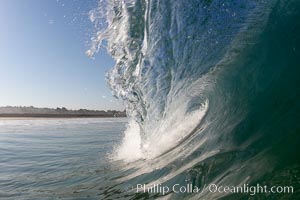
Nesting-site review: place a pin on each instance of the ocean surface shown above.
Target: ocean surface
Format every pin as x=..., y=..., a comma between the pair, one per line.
x=56, y=158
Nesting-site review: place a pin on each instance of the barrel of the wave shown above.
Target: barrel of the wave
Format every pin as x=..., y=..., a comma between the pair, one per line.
x=211, y=88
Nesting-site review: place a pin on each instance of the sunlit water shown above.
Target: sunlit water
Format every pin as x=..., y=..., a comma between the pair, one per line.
x=56, y=158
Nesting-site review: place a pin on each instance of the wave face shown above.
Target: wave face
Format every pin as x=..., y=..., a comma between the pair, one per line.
x=211, y=87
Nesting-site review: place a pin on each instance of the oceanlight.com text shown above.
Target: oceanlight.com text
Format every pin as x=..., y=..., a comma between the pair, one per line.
x=213, y=188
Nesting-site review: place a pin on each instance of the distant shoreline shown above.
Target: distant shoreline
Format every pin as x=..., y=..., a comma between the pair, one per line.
x=58, y=116
x=33, y=112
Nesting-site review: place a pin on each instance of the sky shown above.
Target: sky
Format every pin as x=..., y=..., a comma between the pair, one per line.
x=42, y=56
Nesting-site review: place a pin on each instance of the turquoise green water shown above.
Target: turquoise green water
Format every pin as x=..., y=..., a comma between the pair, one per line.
x=212, y=87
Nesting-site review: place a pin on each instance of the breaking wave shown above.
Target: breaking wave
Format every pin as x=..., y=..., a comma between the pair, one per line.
x=211, y=88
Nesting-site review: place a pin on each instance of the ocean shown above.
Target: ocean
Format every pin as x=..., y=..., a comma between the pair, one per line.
x=211, y=89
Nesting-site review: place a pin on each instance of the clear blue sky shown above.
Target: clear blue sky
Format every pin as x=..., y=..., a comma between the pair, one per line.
x=42, y=56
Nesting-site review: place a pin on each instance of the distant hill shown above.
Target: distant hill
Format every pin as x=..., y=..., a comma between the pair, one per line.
x=19, y=111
